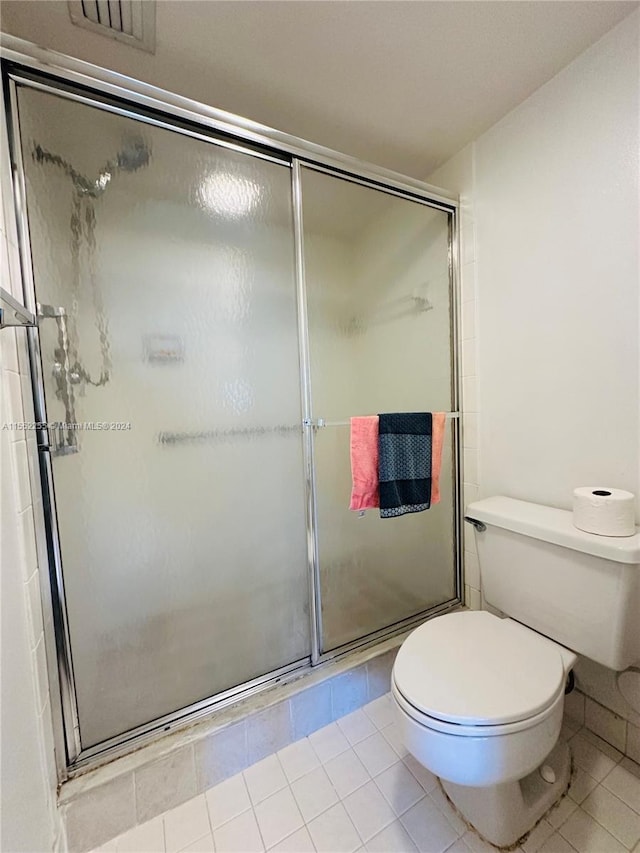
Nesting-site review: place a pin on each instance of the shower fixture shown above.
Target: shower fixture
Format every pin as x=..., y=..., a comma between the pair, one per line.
x=68, y=369
x=133, y=156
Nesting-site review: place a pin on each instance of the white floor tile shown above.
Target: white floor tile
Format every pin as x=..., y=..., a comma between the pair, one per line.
x=474, y=843
x=185, y=824
x=240, y=835
x=394, y=738
x=624, y=785
x=556, y=844
x=587, y=836
x=616, y=817
x=328, y=742
x=632, y=766
x=537, y=837
x=297, y=759
x=393, y=839
x=227, y=800
x=278, y=816
x=356, y=726
x=399, y=787
x=368, y=810
x=429, y=829
x=264, y=778
x=590, y=758
x=146, y=838
x=314, y=793
x=581, y=785
x=375, y=753
x=299, y=842
x=333, y=831
x=424, y=776
x=202, y=845
x=381, y=711
x=561, y=812
x=609, y=750
x=108, y=847
x=346, y=773
x=461, y=847
x=443, y=804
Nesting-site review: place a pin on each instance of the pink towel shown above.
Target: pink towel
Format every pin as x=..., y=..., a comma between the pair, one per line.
x=437, y=439
x=365, y=492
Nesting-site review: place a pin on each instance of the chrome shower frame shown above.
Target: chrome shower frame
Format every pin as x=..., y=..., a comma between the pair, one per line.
x=24, y=63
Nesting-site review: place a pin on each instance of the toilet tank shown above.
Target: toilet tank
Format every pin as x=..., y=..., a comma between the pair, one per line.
x=578, y=588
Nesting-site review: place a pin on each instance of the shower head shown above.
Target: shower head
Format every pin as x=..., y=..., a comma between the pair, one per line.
x=133, y=156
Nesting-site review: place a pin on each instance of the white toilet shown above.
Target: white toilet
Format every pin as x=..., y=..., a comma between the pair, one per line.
x=480, y=698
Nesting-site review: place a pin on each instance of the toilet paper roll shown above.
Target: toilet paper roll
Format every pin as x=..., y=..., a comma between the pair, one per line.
x=605, y=511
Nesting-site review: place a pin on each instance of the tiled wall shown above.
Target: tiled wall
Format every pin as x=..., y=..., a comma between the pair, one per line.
x=136, y=788
x=30, y=816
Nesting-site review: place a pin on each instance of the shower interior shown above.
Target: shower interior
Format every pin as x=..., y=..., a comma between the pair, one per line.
x=225, y=329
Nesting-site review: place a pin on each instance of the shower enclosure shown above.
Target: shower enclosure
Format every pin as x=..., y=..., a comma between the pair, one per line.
x=213, y=305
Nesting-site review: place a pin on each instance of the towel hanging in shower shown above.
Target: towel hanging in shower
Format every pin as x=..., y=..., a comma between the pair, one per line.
x=438, y=421
x=404, y=463
x=364, y=463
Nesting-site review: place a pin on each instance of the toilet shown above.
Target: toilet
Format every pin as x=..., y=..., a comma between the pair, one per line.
x=480, y=697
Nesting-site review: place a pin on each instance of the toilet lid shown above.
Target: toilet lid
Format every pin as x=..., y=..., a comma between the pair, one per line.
x=476, y=669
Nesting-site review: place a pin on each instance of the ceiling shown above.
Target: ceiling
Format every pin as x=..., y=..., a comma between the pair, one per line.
x=401, y=83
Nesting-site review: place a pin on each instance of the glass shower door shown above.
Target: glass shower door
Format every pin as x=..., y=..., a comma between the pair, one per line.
x=165, y=268
x=379, y=309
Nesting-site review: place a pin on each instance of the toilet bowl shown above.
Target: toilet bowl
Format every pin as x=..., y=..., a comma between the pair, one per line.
x=479, y=701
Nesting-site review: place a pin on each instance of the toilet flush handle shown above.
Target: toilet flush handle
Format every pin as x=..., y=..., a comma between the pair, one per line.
x=480, y=526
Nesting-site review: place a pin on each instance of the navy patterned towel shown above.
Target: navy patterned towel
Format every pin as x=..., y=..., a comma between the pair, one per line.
x=404, y=463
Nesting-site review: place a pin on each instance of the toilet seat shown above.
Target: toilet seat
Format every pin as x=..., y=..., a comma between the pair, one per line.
x=472, y=673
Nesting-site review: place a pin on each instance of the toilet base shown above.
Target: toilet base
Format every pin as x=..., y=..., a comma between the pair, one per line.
x=502, y=814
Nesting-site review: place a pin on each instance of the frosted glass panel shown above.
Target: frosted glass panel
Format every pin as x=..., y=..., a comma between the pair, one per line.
x=182, y=532
x=379, y=326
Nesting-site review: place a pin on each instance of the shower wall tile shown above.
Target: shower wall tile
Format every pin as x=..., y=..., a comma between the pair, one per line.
x=470, y=432
x=379, y=674
x=311, y=710
x=33, y=704
x=268, y=731
x=8, y=343
x=221, y=755
x=468, y=282
x=471, y=492
x=468, y=320
x=349, y=691
x=165, y=783
x=470, y=465
x=472, y=598
x=469, y=394
x=100, y=814
x=472, y=569
x=469, y=357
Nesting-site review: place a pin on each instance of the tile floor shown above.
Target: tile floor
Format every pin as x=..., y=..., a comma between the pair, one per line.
x=352, y=787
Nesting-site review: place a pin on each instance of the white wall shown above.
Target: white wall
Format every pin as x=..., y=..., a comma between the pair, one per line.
x=557, y=231
x=29, y=818
x=554, y=195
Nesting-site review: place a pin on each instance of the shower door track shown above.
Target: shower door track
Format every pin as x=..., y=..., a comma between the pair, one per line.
x=29, y=65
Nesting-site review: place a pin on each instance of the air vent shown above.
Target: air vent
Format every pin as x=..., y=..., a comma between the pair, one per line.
x=129, y=21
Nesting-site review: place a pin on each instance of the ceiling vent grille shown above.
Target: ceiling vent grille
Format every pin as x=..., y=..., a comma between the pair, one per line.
x=129, y=21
